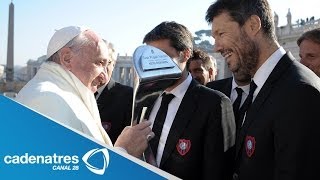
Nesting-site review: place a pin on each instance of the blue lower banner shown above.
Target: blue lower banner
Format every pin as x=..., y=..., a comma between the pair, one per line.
x=35, y=147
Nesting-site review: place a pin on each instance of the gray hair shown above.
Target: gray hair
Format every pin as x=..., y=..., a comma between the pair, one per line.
x=111, y=51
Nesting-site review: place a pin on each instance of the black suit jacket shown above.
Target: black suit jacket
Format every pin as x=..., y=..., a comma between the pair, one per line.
x=222, y=85
x=280, y=136
x=115, y=104
x=197, y=125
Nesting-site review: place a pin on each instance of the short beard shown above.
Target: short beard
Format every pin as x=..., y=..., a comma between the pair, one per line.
x=249, y=54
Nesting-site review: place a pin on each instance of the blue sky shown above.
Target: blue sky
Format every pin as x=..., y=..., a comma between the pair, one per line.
x=123, y=22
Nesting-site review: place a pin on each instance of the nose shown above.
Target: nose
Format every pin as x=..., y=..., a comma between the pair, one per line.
x=217, y=46
x=103, y=76
x=304, y=62
x=105, y=69
x=191, y=72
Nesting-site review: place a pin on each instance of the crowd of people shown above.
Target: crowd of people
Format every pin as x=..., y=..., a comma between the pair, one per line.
x=261, y=123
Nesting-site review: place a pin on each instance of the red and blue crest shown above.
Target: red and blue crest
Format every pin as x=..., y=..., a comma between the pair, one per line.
x=250, y=145
x=183, y=146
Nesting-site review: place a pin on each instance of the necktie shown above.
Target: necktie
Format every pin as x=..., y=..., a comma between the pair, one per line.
x=236, y=105
x=247, y=103
x=159, y=121
x=96, y=93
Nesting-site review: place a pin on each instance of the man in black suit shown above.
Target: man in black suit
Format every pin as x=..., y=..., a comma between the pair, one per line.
x=199, y=124
x=202, y=67
x=280, y=130
x=114, y=102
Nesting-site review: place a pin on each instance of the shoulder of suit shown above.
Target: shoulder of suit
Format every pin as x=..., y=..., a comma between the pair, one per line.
x=122, y=88
x=208, y=93
x=295, y=73
x=122, y=85
x=218, y=83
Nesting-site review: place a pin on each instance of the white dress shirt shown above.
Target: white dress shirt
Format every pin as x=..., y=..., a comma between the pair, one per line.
x=265, y=70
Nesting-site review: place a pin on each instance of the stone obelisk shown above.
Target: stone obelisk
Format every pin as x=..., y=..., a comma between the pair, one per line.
x=10, y=57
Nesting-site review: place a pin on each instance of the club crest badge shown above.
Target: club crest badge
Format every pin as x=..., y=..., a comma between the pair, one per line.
x=250, y=145
x=183, y=146
x=106, y=126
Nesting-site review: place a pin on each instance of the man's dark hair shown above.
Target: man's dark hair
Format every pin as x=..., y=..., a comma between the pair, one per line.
x=204, y=57
x=179, y=36
x=241, y=10
x=313, y=35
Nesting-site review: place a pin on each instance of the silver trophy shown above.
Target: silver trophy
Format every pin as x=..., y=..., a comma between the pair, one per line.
x=154, y=72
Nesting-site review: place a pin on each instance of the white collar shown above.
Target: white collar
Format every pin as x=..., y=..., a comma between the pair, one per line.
x=265, y=70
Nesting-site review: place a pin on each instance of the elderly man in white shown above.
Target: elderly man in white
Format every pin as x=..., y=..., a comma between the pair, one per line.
x=64, y=85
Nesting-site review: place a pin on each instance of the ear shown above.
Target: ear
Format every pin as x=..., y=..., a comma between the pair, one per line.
x=211, y=74
x=186, y=54
x=65, y=57
x=253, y=25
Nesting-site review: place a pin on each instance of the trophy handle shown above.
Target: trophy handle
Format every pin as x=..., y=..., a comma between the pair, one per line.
x=147, y=155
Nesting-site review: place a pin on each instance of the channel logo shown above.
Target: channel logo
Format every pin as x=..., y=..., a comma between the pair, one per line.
x=105, y=156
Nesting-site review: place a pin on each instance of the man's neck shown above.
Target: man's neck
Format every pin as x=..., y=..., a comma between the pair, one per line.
x=266, y=50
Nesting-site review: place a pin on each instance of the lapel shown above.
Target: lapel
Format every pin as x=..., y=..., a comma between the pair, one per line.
x=265, y=91
x=183, y=116
x=227, y=87
x=223, y=85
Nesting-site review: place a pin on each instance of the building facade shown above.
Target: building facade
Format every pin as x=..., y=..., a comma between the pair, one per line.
x=288, y=34
x=123, y=71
